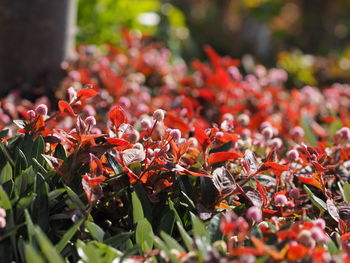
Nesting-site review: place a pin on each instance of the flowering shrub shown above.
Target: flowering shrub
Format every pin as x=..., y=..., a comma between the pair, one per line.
x=146, y=160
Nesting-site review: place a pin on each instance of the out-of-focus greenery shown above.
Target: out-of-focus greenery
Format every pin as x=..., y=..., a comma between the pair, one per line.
x=100, y=21
x=308, y=38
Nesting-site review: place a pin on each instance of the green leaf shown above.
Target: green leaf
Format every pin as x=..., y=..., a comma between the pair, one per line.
x=162, y=246
x=4, y=133
x=137, y=211
x=30, y=226
x=40, y=210
x=46, y=247
x=144, y=235
x=214, y=228
x=68, y=235
x=21, y=163
x=332, y=248
x=75, y=198
x=119, y=239
x=185, y=237
x=199, y=229
x=146, y=206
x=4, y=200
x=310, y=136
x=95, y=231
x=117, y=168
x=6, y=153
x=60, y=152
x=167, y=222
x=346, y=189
x=6, y=173
x=38, y=149
x=318, y=202
x=172, y=207
x=32, y=255
x=171, y=242
x=334, y=127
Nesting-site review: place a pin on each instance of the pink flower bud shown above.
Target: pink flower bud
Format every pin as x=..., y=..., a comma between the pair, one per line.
x=89, y=110
x=159, y=115
x=91, y=121
x=298, y=132
x=267, y=132
x=228, y=117
x=134, y=136
x=243, y=119
x=254, y=213
x=31, y=114
x=124, y=102
x=318, y=234
x=245, y=133
x=281, y=200
x=175, y=134
x=146, y=124
x=293, y=155
x=290, y=204
x=265, y=124
x=150, y=153
x=344, y=133
x=305, y=238
x=2, y=212
x=320, y=223
x=41, y=109
x=219, y=135
x=2, y=222
x=276, y=143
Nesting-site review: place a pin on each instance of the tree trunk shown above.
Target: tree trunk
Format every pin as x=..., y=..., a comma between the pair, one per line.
x=36, y=36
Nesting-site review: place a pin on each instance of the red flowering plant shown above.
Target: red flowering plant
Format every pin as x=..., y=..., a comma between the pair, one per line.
x=217, y=163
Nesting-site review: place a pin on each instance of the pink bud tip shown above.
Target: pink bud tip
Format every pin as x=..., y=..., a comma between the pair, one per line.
x=175, y=134
x=281, y=200
x=91, y=121
x=254, y=213
x=2, y=222
x=2, y=212
x=31, y=114
x=293, y=155
x=267, y=132
x=41, y=109
x=159, y=115
x=146, y=123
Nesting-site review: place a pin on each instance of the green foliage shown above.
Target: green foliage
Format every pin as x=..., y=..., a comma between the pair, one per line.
x=100, y=21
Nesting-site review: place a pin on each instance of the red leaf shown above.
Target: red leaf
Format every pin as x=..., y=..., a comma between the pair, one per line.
x=117, y=142
x=296, y=252
x=318, y=167
x=96, y=167
x=63, y=106
x=193, y=173
x=86, y=93
x=173, y=121
x=261, y=191
x=269, y=211
x=270, y=166
x=310, y=180
x=345, y=236
x=222, y=156
x=94, y=181
x=200, y=135
x=117, y=116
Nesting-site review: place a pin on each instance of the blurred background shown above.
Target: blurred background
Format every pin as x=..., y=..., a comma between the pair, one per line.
x=307, y=38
